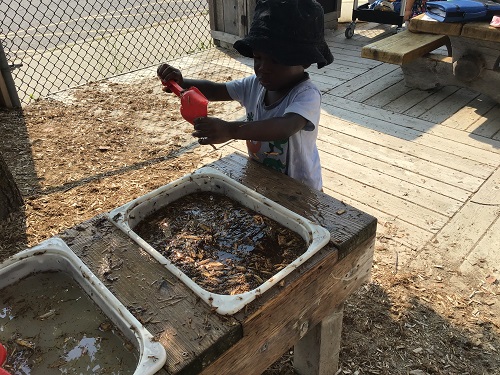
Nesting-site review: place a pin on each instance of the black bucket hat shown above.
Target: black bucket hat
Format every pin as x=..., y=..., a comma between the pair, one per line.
x=292, y=31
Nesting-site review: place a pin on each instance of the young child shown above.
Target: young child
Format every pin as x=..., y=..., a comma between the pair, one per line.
x=281, y=102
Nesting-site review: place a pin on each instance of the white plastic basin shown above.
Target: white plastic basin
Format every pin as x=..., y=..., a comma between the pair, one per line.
x=209, y=179
x=54, y=255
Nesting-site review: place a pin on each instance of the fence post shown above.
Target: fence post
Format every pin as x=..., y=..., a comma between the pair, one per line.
x=8, y=92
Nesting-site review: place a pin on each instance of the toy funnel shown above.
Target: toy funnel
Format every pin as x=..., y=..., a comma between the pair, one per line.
x=193, y=102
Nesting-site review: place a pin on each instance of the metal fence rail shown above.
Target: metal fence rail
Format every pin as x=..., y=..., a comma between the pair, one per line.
x=52, y=45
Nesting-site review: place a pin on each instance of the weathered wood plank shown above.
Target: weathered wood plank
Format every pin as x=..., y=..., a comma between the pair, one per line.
x=454, y=242
x=347, y=45
x=489, y=193
x=430, y=101
x=348, y=59
x=488, y=125
x=415, y=214
x=459, y=237
x=382, y=181
x=426, y=126
x=403, y=47
x=212, y=15
x=218, y=16
x=470, y=113
x=398, y=165
x=348, y=49
x=388, y=95
x=335, y=71
x=359, y=82
x=422, y=24
x=481, y=31
x=375, y=86
x=242, y=23
x=391, y=228
x=486, y=248
x=325, y=82
x=230, y=14
x=348, y=71
x=449, y=106
x=4, y=93
x=407, y=101
x=445, y=180
x=224, y=36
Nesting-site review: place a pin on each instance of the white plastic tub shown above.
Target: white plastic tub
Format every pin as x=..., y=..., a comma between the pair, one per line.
x=208, y=179
x=54, y=255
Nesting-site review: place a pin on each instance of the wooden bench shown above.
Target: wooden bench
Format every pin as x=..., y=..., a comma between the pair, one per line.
x=404, y=49
x=472, y=60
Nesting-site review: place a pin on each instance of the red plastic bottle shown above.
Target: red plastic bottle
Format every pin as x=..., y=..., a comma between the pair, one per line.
x=3, y=358
x=193, y=102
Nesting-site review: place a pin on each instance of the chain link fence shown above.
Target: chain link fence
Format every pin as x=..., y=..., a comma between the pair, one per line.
x=52, y=45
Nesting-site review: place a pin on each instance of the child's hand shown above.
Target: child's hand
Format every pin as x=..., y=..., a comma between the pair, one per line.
x=211, y=130
x=167, y=72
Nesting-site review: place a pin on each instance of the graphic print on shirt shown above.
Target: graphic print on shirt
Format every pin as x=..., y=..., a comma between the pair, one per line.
x=272, y=154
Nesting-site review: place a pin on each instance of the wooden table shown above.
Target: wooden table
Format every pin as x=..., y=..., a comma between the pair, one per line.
x=305, y=311
x=475, y=55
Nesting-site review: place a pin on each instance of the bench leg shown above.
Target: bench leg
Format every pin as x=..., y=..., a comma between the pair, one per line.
x=431, y=72
x=317, y=353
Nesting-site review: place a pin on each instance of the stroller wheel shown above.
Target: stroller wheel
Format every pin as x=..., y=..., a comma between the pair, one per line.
x=349, y=31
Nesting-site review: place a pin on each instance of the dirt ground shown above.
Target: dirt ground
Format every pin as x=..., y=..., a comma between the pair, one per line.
x=110, y=142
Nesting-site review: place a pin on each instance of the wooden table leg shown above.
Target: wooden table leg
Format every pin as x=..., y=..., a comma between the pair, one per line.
x=317, y=353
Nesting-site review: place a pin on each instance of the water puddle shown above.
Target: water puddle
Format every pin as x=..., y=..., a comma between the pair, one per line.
x=49, y=325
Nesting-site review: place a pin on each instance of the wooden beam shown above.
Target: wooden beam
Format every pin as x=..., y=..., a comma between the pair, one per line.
x=317, y=353
x=433, y=71
x=482, y=31
x=224, y=37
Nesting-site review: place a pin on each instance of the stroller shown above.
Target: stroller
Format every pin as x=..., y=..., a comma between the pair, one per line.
x=380, y=14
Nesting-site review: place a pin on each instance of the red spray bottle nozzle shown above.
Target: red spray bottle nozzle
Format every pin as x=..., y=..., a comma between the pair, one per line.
x=193, y=103
x=174, y=87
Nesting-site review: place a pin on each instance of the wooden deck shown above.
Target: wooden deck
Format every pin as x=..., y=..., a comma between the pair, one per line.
x=426, y=164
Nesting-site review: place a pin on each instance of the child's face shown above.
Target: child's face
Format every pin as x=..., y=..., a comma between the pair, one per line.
x=273, y=75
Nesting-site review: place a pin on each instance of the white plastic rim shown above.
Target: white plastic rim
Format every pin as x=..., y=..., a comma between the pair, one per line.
x=130, y=214
x=54, y=255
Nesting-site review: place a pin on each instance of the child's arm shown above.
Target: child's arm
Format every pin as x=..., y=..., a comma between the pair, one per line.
x=212, y=90
x=211, y=130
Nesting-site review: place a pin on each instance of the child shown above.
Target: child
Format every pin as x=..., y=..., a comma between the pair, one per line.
x=281, y=102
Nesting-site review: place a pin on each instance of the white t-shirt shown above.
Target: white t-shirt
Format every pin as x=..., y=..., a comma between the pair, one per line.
x=298, y=155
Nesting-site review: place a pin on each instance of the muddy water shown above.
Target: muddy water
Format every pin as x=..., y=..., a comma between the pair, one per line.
x=50, y=326
x=222, y=245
